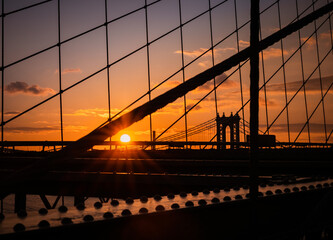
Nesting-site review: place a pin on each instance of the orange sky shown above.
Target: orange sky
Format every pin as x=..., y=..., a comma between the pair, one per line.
x=86, y=105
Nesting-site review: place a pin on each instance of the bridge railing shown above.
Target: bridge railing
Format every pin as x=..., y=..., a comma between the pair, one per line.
x=51, y=146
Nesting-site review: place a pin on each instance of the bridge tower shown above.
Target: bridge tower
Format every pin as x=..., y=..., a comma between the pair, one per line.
x=221, y=124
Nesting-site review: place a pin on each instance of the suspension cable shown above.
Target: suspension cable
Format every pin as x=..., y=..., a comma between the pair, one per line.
x=148, y=70
x=319, y=71
x=281, y=68
x=240, y=71
x=2, y=69
x=303, y=76
x=284, y=73
x=60, y=75
x=182, y=57
x=212, y=47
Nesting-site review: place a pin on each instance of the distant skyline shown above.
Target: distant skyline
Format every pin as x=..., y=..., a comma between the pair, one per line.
x=85, y=106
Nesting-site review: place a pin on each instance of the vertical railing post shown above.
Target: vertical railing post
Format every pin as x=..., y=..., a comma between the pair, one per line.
x=254, y=111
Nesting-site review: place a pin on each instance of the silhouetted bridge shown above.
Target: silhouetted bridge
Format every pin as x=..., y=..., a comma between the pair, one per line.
x=173, y=186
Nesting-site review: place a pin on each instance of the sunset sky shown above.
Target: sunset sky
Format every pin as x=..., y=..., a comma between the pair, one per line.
x=85, y=106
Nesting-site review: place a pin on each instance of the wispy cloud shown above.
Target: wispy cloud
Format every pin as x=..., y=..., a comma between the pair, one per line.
x=170, y=84
x=296, y=127
x=227, y=84
x=243, y=43
x=274, y=52
x=270, y=102
x=146, y=132
x=11, y=113
x=24, y=88
x=326, y=35
x=310, y=42
x=69, y=70
x=311, y=86
x=194, y=53
x=198, y=52
x=178, y=107
x=94, y=112
x=21, y=129
x=44, y=127
x=75, y=128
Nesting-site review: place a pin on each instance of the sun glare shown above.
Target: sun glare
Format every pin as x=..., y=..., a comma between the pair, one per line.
x=125, y=138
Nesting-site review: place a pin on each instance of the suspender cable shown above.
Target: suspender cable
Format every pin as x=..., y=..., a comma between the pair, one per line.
x=183, y=63
x=284, y=74
x=322, y=98
x=98, y=135
x=60, y=73
x=320, y=79
x=148, y=70
x=101, y=133
x=212, y=47
x=107, y=61
x=330, y=22
x=240, y=71
x=264, y=80
x=2, y=70
x=303, y=77
x=107, y=56
x=331, y=34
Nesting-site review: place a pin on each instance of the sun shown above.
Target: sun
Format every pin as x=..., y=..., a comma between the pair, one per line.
x=125, y=138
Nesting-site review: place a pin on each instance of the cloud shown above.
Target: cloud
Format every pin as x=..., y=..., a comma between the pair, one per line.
x=311, y=86
x=69, y=70
x=270, y=102
x=178, y=107
x=228, y=83
x=310, y=43
x=198, y=52
x=243, y=43
x=196, y=108
x=146, y=132
x=326, y=35
x=20, y=129
x=12, y=113
x=94, y=112
x=326, y=38
x=274, y=52
x=24, y=88
x=171, y=84
x=75, y=128
x=45, y=128
x=296, y=127
x=205, y=64
x=194, y=53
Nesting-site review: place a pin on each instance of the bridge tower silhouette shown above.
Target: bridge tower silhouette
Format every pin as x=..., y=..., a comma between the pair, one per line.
x=222, y=123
